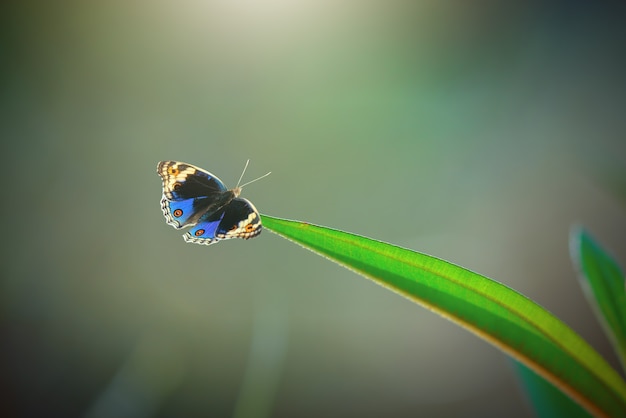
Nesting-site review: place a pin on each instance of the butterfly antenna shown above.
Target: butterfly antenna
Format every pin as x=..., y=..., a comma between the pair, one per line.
x=243, y=172
x=258, y=178
x=251, y=181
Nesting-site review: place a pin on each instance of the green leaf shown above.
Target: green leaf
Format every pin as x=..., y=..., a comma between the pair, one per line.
x=491, y=310
x=547, y=400
x=603, y=282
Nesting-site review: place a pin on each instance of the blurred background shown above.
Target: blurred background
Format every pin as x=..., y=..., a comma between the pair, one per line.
x=478, y=132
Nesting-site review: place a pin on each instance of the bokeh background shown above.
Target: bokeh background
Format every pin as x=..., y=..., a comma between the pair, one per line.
x=477, y=131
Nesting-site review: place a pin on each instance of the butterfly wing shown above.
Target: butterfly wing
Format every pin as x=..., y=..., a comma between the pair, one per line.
x=184, y=181
x=189, y=192
x=239, y=219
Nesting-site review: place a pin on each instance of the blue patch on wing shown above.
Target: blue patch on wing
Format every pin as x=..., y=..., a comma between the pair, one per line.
x=204, y=231
x=179, y=213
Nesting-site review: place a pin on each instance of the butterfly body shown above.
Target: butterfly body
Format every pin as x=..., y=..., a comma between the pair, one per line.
x=196, y=198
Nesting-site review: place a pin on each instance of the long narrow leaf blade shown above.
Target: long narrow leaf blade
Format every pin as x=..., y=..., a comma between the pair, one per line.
x=491, y=310
x=603, y=282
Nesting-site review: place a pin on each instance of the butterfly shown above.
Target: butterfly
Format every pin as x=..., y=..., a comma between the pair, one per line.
x=194, y=197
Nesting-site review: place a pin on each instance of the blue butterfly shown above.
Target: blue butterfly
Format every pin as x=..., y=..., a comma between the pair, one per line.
x=194, y=197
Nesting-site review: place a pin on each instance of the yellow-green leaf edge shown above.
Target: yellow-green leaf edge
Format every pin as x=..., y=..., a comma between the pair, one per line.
x=494, y=312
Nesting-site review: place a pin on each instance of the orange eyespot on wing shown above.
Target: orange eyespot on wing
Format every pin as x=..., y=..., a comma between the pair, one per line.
x=178, y=213
x=199, y=232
